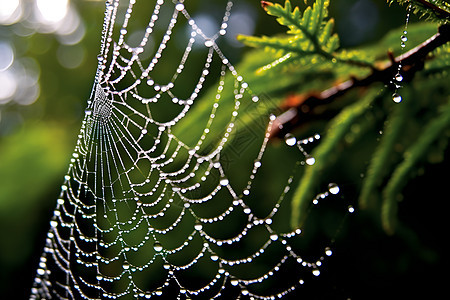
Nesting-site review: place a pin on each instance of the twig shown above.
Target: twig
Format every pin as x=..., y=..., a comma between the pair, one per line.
x=411, y=62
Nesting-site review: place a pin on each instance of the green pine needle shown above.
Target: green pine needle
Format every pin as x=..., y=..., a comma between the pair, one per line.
x=412, y=156
x=309, y=33
x=323, y=155
x=380, y=162
x=436, y=10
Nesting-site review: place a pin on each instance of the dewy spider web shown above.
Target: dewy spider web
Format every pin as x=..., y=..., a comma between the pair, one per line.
x=143, y=214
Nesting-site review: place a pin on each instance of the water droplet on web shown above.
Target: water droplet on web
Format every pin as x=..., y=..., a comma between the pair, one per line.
x=404, y=38
x=234, y=282
x=224, y=181
x=310, y=161
x=397, y=98
x=158, y=247
x=214, y=257
x=398, y=77
x=198, y=226
x=328, y=251
x=316, y=272
x=290, y=139
x=179, y=6
x=274, y=237
x=209, y=43
x=333, y=188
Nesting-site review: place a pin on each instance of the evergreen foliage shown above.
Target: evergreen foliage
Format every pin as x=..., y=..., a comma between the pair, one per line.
x=437, y=10
x=309, y=52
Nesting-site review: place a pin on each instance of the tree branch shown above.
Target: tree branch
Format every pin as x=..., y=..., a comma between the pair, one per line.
x=411, y=62
x=437, y=10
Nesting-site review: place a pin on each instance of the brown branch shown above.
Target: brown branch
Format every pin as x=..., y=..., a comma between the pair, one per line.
x=410, y=62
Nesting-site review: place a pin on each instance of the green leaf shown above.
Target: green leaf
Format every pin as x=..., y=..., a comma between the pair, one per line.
x=436, y=10
x=381, y=159
x=324, y=154
x=309, y=33
x=412, y=156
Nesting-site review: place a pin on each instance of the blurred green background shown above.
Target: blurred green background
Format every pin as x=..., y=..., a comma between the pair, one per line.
x=48, y=59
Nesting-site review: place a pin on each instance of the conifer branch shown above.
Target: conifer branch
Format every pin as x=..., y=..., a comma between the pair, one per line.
x=311, y=105
x=437, y=10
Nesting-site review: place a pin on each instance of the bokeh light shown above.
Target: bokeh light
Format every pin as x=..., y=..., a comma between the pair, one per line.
x=10, y=11
x=52, y=11
x=8, y=86
x=6, y=56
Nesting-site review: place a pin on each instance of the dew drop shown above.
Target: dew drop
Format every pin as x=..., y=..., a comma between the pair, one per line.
x=310, y=160
x=234, y=282
x=125, y=266
x=209, y=43
x=158, y=247
x=274, y=237
x=224, y=181
x=198, y=227
x=214, y=257
x=351, y=209
x=396, y=98
x=316, y=272
x=404, y=38
x=41, y=271
x=333, y=188
x=290, y=140
x=179, y=6
x=328, y=251
x=398, y=77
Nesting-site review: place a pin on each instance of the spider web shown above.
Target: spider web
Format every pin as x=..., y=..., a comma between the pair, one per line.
x=142, y=213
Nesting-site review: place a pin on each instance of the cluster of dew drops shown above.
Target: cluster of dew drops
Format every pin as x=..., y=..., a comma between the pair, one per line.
x=398, y=77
